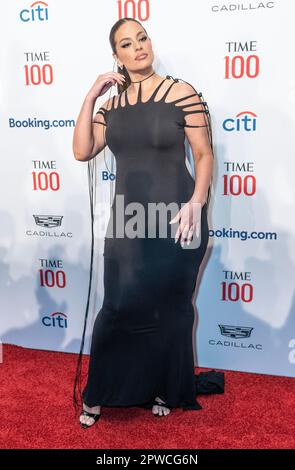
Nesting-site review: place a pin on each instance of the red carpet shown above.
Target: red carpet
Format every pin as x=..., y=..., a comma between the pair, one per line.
x=256, y=411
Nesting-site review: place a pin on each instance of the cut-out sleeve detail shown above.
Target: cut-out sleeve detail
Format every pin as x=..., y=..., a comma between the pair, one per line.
x=196, y=114
x=99, y=117
x=195, y=110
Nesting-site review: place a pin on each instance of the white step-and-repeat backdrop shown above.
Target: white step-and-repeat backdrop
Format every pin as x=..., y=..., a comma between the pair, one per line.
x=240, y=55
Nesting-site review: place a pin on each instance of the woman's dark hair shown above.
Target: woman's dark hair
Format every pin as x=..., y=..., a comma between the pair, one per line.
x=123, y=69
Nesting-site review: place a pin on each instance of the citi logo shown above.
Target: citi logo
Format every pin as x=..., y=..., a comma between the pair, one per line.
x=38, y=11
x=244, y=121
x=55, y=320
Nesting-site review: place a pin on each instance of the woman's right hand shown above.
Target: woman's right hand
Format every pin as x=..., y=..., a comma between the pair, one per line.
x=104, y=82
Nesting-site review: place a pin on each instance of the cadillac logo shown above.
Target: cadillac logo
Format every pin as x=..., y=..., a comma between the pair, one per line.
x=48, y=220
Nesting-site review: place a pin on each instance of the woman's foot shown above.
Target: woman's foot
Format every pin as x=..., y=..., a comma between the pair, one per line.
x=86, y=420
x=161, y=409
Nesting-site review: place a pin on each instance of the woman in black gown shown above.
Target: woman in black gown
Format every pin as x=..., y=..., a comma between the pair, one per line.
x=141, y=348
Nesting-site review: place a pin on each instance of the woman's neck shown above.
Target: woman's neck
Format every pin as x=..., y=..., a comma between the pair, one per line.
x=145, y=80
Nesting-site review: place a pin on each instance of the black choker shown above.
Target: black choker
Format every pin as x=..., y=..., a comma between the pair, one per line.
x=144, y=78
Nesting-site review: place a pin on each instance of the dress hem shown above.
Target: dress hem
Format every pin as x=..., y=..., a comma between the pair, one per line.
x=206, y=383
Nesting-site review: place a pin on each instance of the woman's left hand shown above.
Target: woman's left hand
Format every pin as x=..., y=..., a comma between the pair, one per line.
x=189, y=217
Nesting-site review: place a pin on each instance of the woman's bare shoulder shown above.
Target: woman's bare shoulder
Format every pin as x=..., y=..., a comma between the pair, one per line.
x=183, y=89
x=107, y=104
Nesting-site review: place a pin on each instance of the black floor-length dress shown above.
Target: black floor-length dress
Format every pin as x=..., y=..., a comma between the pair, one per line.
x=141, y=345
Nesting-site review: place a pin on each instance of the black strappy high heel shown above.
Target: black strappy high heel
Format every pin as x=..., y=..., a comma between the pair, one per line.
x=157, y=415
x=90, y=415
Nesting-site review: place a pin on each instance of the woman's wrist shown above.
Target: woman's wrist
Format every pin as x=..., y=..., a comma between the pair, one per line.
x=90, y=98
x=197, y=198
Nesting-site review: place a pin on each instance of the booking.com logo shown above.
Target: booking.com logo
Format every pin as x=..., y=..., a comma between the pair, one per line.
x=38, y=11
x=40, y=123
x=242, y=234
x=244, y=121
x=55, y=320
